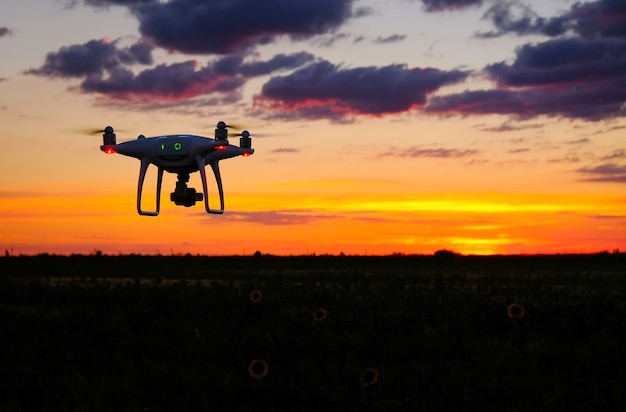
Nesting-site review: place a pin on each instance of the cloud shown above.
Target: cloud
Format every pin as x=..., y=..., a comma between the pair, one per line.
x=568, y=61
x=107, y=3
x=608, y=172
x=394, y=38
x=277, y=217
x=92, y=58
x=596, y=19
x=286, y=150
x=441, y=5
x=225, y=27
x=329, y=40
x=617, y=154
x=508, y=126
x=566, y=159
x=578, y=141
x=510, y=17
x=178, y=80
x=325, y=90
x=437, y=153
x=236, y=65
x=5, y=31
x=569, y=77
x=105, y=69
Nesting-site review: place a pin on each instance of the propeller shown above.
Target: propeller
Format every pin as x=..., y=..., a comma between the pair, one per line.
x=94, y=131
x=246, y=133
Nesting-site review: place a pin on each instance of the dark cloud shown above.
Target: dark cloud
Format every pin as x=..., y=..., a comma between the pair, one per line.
x=603, y=18
x=608, y=172
x=441, y=5
x=390, y=39
x=562, y=61
x=509, y=17
x=570, y=77
x=185, y=80
x=225, y=26
x=596, y=19
x=437, y=153
x=92, y=58
x=105, y=69
x=5, y=31
x=106, y=3
x=325, y=90
x=179, y=80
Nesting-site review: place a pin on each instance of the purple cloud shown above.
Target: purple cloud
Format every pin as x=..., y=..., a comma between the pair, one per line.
x=223, y=27
x=5, y=31
x=504, y=18
x=596, y=19
x=323, y=89
x=105, y=70
x=570, y=77
x=92, y=58
x=607, y=172
x=184, y=80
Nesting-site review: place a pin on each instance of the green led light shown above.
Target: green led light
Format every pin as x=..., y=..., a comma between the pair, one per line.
x=162, y=147
x=178, y=146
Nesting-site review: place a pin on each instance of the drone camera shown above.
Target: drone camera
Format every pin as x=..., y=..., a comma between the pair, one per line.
x=183, y=195
x=186, y=196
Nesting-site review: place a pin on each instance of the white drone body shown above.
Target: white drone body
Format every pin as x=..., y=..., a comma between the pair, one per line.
x=181, y=154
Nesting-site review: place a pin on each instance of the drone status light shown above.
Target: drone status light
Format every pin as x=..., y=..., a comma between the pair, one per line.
x=109, y=150
x=221, y=147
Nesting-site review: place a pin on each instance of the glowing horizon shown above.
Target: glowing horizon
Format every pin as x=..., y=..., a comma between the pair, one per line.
x=466, y=223
x=405, y=128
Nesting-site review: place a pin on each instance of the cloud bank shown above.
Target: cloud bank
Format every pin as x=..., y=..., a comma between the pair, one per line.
x=577, y=72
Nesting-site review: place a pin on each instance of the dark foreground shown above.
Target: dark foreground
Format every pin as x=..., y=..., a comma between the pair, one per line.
x=133, y=333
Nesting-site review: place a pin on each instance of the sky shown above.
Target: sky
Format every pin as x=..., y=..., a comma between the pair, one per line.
x=379, y=126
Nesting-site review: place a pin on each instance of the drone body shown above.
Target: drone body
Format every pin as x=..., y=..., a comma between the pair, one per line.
x=181, y=154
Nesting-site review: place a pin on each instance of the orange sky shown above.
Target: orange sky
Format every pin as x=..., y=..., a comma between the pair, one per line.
x=389, y=181
x=66, y=220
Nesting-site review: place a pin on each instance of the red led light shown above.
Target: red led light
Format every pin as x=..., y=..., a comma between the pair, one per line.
x=246, y=154
x=109, y=150
x=221, y=147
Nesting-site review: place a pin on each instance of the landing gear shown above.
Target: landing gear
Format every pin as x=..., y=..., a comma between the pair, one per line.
x=183, y=195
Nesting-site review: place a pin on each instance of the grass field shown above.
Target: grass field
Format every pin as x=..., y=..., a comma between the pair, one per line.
x=323, y=333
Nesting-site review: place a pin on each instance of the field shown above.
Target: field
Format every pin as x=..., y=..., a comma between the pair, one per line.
x=313, y=333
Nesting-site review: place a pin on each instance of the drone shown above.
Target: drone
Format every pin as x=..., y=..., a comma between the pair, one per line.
x=181, y=154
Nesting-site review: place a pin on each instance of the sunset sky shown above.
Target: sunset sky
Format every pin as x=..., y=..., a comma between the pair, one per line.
x=384, y=126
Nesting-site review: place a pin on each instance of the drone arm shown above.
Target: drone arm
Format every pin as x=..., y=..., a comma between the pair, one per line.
x=216, y=171
x=142, y=175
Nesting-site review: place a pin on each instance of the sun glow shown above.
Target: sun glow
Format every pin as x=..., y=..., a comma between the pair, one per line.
x=308, y=220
